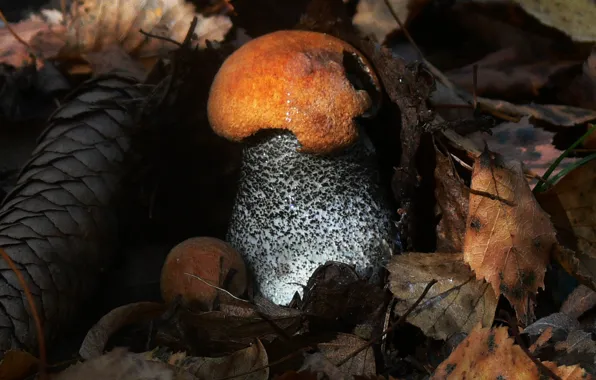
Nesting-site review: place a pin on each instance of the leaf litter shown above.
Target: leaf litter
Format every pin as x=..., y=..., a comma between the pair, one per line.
x=489, y=237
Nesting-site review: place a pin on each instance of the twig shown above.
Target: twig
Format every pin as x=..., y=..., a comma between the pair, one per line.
x=393, y=326
x=43, y=363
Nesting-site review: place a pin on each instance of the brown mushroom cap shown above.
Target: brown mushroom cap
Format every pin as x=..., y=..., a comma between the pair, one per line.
x=210, y=259
x=292, y=80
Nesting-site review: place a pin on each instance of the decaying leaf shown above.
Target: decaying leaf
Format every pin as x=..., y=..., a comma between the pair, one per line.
x=560, y=323
x=94, y=25
x=509, y=238
x=522, y=141
x=491, y=354
x=452, y=203
x=119, y=364
x=456, y=303
x=17, y=365
x=374, y=18
x=576, y=195
x=579, y=301
x=362, y=364
x=573, y=17
x=247, y=364
x=97, y=337
x=555, y=114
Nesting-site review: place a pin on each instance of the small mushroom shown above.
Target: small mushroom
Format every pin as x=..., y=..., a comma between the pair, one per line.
x=195, y=267
x=309, y=190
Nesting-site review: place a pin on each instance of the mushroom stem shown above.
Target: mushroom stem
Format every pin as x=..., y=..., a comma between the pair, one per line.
x=295, y=211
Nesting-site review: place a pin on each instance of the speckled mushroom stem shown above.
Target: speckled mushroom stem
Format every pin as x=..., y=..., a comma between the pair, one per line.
x=295, y=211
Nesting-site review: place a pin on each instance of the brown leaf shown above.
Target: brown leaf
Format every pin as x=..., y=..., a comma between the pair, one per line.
x=456, y=303
x=374, y=18
x=241, y=365
x=335, y=292
x=581, y=92
x=555, y=114
x=573, y=17
x=452, y=202
x=17, y=365
x=345, y=345
x=97, y=337
x=510, y=73
x=508, y=239
x=576, y=195
x=579, y=301
x=522, y=141
x=490, y=354
x=122, y=365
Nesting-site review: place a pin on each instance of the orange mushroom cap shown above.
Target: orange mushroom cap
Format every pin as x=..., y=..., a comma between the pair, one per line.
x=292, y=80
x=211, y=260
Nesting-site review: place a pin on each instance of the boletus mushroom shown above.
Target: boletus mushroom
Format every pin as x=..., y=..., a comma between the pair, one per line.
x=309, y=190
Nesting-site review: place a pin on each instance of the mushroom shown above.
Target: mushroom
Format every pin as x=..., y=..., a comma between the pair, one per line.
x=196, y=267
x=309, y=190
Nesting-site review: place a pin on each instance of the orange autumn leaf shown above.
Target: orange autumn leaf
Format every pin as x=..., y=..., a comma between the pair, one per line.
x=508, y=236
x=491, y=354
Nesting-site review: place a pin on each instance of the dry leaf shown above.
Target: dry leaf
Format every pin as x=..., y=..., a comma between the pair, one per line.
x=122, y=365
x=17, y=365
x=456, y=303
x=522, y=141
x=555, y=114
x=374, y=18
x=452, y=202
x=560, y=323
x=97, y=337
x=508, y=240
x=579, y=301
x=241, y=365
x=573, y=17
x=321, y=365
x=345, y=345
x=576, y=195
x=490, y=354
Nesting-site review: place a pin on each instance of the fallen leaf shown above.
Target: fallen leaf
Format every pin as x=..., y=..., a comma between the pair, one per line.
x=581, y=91
x=235, y=327
x=555, y=114
x=491, y=354
x=97, y=337
x=579, y=301
x=560, y=323
x=119, y=364
x=522, y=141
x=452, y=203
x=248, y=364
x=345, y=345
x=572, y=17
x=575, y=192
x=320, y=364
x=579, y=341
x=374, y=18
x=17, y=365
x=510, y=73
x=456, y=303
x=508, y=239
x=336, y=293
x=542, y=340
